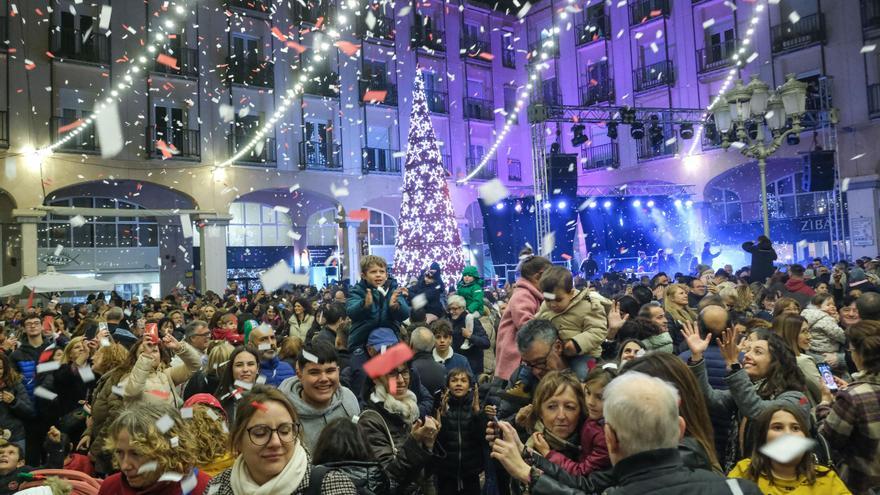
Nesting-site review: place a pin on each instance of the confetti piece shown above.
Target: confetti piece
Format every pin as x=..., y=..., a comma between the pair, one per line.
x=294, y=235
x=375, y=96
x=348, y=47
x=549, y=296
x=299, y=49
x=77, y=221
x=227, y=113
x=148, y=467
x=186, y=226
x=167, y=61
x=844, y=184
x=243, y=385
x=260, y=406
x=278, y=34
x=857, y=156
x=708, y=23
x=275, y=277
x=524, y=10
x=787, y=448
x=308, y=356
x=547, y=244
x=45, y=393
x=794, y=17
x=160, y=394
x=337, y=191
x=493, y=191
x=261, y=380
x=48, y=366
x=383, y=363
x=171, y=476
x=868, y=48
x=58, y=249
x=109, y=130
x=186, y=413
x=174, y=441
x=117, y=390
x=86, y=374
x=392, y=387
x=188, y=484
x=104, y=17
x=419, y=301
x=361, y=215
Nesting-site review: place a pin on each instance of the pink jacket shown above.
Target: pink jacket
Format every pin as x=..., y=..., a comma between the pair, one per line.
x=594, y=451
x=524, y=303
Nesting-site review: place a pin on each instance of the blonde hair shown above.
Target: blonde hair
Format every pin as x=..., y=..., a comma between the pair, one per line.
x=218, y=356
x=290, y=347
x=367, y=261
x=139, y=421
x=677, y=311
x=113, y=355
x=554, y=383
x=211, y=434
x=66, y=357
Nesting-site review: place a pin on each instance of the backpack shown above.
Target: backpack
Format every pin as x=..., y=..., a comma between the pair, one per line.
x=364, y=485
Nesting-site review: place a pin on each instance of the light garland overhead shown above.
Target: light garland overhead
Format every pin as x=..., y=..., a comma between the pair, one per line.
x=739, y=60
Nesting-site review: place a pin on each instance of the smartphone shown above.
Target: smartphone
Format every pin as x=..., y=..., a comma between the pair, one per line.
x=495, y=426
x=827, y=376
x=92, y=331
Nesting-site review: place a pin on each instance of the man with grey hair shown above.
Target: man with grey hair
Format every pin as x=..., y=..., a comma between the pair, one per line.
x=198, y=335
x=432, y=373
x=642, y=431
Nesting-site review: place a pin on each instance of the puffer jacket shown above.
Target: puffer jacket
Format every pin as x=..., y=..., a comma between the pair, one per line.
x=343, y=404
x=462, y=437
x=368, y=477
x=26, y=358
x=472, y=292
x=14, y=414
x=585, y=321
x=106, y=405
x=524, y=303
x=300, y=328
x=365, y=320
x=490, y=325
x=146, y=383
x=479, y=342
x=404, y=458
x=827, y=335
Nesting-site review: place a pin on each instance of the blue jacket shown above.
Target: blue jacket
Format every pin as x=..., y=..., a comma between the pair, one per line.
x=365, y=320
x=26, y=358
x=722, y=420
x=276, y=371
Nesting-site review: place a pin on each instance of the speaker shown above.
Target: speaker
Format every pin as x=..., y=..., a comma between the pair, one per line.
x=562, y=175
x=818, y=171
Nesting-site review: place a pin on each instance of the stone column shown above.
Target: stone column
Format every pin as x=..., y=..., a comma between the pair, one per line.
x=350, y=250
x=212, y=252
x=29, y=220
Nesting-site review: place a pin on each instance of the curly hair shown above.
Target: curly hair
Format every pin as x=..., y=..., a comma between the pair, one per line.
x=210, y=432
x=784, y=374
x=111, y=356
x=145, y=438
x=10, y=375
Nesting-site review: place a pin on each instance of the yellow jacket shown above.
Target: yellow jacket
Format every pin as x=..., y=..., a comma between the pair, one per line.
x=827, y=482
x=585, y=320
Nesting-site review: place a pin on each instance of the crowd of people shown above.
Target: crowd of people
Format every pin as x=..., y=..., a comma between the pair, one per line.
x=704, y=381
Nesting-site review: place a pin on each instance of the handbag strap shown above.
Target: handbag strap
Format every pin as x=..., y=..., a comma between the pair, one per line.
x=387, y=430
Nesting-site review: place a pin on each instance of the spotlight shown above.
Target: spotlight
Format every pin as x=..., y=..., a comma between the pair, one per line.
x=612, y=130
x=606, y=204
x=651, y=203
x=592, y=204
x=628, y=115
x=637, y=203
x=687, y=131
x=579, y=138
x=689, y=203
x=554, y=148
x=637, y=130
x=678, y=203
x=518, y=207
x=655, y=132
x=793, y=139
x=562, y=205
x=499, y=206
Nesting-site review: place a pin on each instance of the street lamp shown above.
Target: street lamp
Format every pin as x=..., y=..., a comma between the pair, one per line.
x=756, y=105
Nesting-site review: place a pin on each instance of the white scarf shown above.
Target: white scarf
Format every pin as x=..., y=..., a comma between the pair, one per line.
x=284, y=482
x=407, y=408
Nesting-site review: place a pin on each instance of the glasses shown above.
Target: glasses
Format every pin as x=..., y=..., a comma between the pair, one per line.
x=455, y=308
x=540, y=364
x=261, y=435
x=206, y=334
x=395, y=373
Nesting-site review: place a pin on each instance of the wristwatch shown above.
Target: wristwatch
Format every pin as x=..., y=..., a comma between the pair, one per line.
x=734, y=368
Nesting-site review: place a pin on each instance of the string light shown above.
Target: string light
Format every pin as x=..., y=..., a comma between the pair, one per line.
x=731, y=74
x=177, y=13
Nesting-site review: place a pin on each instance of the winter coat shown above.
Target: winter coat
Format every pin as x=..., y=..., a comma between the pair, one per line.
x=201, y=383
x=479, y=342
x=343, y=404
x=524, y=303
x=798, y=290
x=453, y=361
x=434, y=293
x=26, y=358
x=722, y=419
x=490, y=325
x=115, y=484
x=275, y=371
x=593, y=453
x=432, y=373
x=763, y=256
x=300, y=328
x=146, y=383
x=472, y=292
x=231, y=336
x=403, y=457
x=827, y=335
x=70, y=387
x=365, y=320
x=15, y=414
x=584, y=320
x=807, y=365
x=662, y=342
x=334, y=483
x=462, y=437
x=106, y=405
x=369, y=478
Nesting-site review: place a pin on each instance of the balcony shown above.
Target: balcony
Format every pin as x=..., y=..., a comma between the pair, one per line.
x=438, y=101
x=870, y=18
x=514, y=170
x=250, y=72
x=488, y=172
x=669, y=147
x=314, y=11
x=537, y=46
x=641, y=11
x=874, y=100
x=595, y=29
x=593, y=92
x=254, y=5
x=187, y=64
x=68, y=44
x=601, y=157
x=548, y=93
x=477, y=108
x=4, y=129
x=380, y=161
x=383, y=28
x=263, y=156
x=317, y=155
x=714, y=57
x=84, y=142
x=371, y=92
x=654, y=76
x=324, y=83
x=807, y=31
x=475, y=47
x=183, y=144
x=424, y=34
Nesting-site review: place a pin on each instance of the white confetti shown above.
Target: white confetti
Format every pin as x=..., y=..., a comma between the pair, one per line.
x=794, y=17
x=275, y=277
x=48, y=366
x=77, y=221
x=86, y=374
x=524, y=10
x=58, y=249
x=294, y=235
x=186, y=413
x=547, y=244
x=338, y=191
x=708, y=23
x=109, y=129
x=188, y=484
x=308, y=356
x=243, y=385
x=419, y=301
x=170, y=475
x=857, y=156
x=844, y=184
x=104, y=21
x=164, y=423
x=227, y=114
x=493, y=191
x=264, y=347
x=868, y=48
x=787, y=448
x=45, y=393
x=148, y=467
x=549, y=296
x=186, y=226
x=174, y=442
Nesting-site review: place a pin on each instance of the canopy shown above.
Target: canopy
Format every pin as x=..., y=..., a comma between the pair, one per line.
x=52, y=281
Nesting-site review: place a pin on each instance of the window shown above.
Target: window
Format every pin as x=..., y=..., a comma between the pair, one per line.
x=99, y=231
x=725, y=206
x=786, y=198
x=383, y=229
x=170, y=125
x=510, y=100
x=508, y=51
x=255, y=224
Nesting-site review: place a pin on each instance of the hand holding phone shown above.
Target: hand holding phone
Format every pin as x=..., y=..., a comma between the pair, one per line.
x=827, y=376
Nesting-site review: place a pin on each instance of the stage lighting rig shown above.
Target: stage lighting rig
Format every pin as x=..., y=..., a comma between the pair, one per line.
x=579, y=137
x=687, y=131
x=612, y=130
x=637, y=130
x=655, y=132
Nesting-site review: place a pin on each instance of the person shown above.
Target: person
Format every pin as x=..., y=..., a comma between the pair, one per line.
x=828, y=339
x=302, y=319
x=236, y=377
x=334, y=319
x=315, y=391
x=629, y=350
x=849, y=419
x=343, y=446
x=707, y=256
x=12, y=466
x=525, y=300
x=210, y=432
x=15, y=404
x=433, y=289
x=270, y=457
x=461, y=436
x=136, y=438
x=26, y=358
x=443, y=352
x=767, y=376
x=799, y=475
x=786, y=305
x=796, y=287
x=206, y=379
x=796, y=333
x=589, y=267
x=676, y=305
x=470, y=287
x=868, y=305
x=403, y=443
x=150, y=378
x=432, y=373
x=580, y=316
x=697, y=289
x=849, y=312
x=227, y=329
x=650, y=336
x=468, y=336
x=272, y=368
x=198, y=335
x=763, y=256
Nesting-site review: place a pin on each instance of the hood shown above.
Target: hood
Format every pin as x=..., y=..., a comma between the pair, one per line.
x=765, y=244
x=292, y=388
x=795, y=285
x=471, y=271
x=813, y=314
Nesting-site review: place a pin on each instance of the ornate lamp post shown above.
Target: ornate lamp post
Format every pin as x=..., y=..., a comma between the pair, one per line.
x=755, y=105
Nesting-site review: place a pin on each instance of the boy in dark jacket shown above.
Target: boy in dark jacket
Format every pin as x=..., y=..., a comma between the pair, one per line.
x=461, y=437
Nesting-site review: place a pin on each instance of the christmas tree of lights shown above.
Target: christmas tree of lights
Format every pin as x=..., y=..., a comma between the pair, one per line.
x=427, y=230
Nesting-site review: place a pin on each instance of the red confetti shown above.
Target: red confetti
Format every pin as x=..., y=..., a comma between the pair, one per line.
x=392, y=386
x=361, y=215
x=656, y=12
x=70, y=126
x=163, y=147
x=260, y=406
x=168, y=61
x=296, y=46
x=566, y=256
x=160, y=394
x=487, y=56
x=375, y=96
x=50, y=54
x=348, y=47
x=278, y=34
x=393, y=357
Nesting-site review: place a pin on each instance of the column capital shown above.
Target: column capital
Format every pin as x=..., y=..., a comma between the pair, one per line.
x=220, y=220
x=28, y=216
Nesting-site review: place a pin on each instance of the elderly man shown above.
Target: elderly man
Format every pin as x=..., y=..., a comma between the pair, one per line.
x=272, y=369
x=432, y=373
